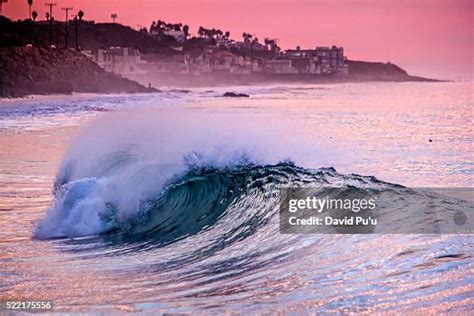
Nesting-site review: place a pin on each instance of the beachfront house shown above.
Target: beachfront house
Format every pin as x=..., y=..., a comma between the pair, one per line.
x=179, y=36
x=121, y=60
x=321, y=60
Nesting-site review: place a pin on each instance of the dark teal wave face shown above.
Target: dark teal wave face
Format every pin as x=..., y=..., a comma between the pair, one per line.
x=234, y=203
x=186, y=207
x=238, y=201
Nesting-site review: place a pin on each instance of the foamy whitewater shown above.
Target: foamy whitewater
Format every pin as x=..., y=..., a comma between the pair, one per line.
x=169, y=202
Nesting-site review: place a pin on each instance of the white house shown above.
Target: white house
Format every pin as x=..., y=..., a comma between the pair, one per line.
x=121, y=60
x=179, y=36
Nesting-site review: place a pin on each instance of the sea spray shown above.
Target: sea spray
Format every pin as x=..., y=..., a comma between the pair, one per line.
x=124, y=158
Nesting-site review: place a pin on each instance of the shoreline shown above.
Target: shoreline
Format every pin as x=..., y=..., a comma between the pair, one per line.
x=187, y=89
x=28, y=71
x=232, y=82
x=359, y=71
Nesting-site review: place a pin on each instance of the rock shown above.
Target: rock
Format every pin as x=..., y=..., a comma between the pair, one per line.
x=54, y=87
x=55, y=71
x=376, y=71
x=235, y=95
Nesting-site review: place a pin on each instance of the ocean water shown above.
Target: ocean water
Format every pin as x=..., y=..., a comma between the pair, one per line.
x=168, y=202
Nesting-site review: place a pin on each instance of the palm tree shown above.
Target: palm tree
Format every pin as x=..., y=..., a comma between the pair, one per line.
x=186, y=31
x=201, y=31
x=34, y=15
x=30, y=3
x=78, y=18
x=76, y=28
x=247, y=37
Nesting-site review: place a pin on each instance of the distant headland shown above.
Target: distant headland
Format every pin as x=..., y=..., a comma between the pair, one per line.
x=49, y=56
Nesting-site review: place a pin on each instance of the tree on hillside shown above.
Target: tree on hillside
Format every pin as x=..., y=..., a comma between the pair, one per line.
x=247, y=37
x=186, y=31
x=201, y=31
x=47, y=16
x=77, y=19
x=177, y=27
x=210, y=34
x=271, y=44
x=34, y=15
x=30, y=3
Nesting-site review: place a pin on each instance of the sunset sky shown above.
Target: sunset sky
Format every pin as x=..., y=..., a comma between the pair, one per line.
x=427, y=37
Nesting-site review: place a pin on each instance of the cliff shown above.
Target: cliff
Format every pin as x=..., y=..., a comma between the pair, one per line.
x=25, y=71
x=376, y=71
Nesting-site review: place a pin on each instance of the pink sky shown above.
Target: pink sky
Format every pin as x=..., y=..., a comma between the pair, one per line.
x=426, y=37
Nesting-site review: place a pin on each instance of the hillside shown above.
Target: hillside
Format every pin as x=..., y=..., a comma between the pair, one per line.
x=25, y=71
x=376, y=71
x=91, y=36
x=45, y=71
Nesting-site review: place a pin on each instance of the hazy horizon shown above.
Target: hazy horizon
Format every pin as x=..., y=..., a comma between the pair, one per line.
x=431, y=38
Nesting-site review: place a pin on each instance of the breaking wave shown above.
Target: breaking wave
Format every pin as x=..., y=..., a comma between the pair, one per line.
x=181, y=205
x=165, y=182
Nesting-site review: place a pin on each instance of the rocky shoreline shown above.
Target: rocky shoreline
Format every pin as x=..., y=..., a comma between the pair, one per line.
x=35, y=70
x=31, y=70
x=377, y=71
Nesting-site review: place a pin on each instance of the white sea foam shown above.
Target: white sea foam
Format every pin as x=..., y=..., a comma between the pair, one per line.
x=127, y=157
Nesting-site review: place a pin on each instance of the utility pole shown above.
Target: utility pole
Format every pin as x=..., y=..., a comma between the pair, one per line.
x=67, y=24
x=75, y=26
x=50, y=5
